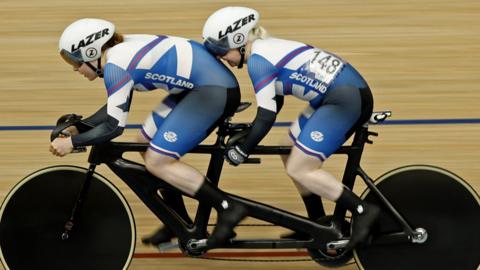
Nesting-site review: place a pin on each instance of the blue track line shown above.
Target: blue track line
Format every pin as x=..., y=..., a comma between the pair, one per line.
x=286, y=124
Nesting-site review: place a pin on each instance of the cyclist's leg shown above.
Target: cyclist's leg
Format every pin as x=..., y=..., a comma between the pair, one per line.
x=323, y=133
x=185, y=126
x=183, y=129
x=172, y=198
x=313, y=202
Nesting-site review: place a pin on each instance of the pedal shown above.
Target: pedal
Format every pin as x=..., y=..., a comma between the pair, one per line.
x=166, y=246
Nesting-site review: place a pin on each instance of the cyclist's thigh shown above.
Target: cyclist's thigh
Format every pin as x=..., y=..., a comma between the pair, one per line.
x=325, y=130
x=299, y=123
x=158, y=115
x=189, y=122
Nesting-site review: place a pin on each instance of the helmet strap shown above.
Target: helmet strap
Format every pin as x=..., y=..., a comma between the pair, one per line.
x=242, y=56
x=98, y=70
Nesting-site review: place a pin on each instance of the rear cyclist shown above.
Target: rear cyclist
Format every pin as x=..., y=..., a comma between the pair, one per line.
x=339, y=100
x=198, y=98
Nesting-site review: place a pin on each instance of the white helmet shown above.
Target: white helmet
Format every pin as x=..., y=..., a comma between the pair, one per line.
x=82, y=41
x=228, y=28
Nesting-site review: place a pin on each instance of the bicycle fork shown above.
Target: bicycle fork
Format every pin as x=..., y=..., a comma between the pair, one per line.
x=71, y=222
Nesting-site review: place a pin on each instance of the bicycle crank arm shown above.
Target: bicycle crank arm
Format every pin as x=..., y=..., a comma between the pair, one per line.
x=196, y=245
x=337, y=244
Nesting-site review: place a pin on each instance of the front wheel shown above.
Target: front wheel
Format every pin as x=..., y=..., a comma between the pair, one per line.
x=34, y=213
x=433, y=199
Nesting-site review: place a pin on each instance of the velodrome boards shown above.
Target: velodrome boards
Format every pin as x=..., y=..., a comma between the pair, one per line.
x=421, y=59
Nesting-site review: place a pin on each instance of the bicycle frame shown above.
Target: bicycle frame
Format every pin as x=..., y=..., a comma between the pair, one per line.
x=146, y=187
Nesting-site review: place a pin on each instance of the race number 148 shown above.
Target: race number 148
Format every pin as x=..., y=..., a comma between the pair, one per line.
x=325, y=62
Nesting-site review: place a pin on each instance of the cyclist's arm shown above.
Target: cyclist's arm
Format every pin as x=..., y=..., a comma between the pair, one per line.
x=112, y=118
x=91, y=121
x=97, y=118
x=263, y=75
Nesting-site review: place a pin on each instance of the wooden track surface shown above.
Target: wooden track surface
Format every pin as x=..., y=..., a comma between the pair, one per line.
x=421, y=59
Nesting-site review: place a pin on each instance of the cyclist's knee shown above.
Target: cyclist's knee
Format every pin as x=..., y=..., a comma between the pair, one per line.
x=157, y=163
x=295, y=172
x=299, y=168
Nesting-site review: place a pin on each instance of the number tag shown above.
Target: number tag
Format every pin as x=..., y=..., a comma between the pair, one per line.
x=325, y=66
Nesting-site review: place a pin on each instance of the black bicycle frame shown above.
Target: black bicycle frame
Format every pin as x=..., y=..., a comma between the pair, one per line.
x=146, y=187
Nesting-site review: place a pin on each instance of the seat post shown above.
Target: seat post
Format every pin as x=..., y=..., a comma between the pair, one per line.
x=223, y=130
x=361, y=136
x=351, y=168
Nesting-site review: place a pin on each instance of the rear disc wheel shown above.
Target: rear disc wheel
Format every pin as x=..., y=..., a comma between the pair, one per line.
x=433, y=199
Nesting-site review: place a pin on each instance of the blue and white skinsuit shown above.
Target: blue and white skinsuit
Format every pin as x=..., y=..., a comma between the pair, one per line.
x=338, y=97
x=201, y=90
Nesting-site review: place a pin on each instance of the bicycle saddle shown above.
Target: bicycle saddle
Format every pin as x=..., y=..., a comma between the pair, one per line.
x=378, y=117
x=243, y=106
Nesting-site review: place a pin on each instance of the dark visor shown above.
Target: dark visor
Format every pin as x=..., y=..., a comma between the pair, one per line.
x=74, y=59
x=217, y=47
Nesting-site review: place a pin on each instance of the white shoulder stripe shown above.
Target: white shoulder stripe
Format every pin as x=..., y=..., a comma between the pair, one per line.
x=274, y=49
x=152, y=57
x=184, y=59
x=300, y=59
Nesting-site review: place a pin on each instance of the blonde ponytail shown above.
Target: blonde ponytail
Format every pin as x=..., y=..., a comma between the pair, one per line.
x=257, y=32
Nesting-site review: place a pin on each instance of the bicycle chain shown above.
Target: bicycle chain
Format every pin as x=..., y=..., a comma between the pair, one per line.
x=253, y=260
x=249, y=260
x=263, y=225
x=249, y=225
x=259, y=260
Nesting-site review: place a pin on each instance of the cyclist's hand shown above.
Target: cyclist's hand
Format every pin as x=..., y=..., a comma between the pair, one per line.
x=69, y=131
x=235, y=156
x=66, y=126
x=61, y=146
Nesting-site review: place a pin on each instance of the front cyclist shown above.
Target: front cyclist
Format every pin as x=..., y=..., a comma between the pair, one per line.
x=201, y=91
x=339, y=100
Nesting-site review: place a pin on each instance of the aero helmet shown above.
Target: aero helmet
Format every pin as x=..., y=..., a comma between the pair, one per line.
x=82, y=41
x=228, y=28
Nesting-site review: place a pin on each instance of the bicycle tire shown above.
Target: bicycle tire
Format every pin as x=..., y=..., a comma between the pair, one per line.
x=436, y=200
x=33, y=215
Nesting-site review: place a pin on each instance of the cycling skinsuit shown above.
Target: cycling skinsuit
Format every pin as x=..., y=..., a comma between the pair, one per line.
x=200, y=89
x=338, y=96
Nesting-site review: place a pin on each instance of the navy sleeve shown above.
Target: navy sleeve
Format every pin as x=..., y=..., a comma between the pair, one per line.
x=103, y=132
x=261, y=126
x=93, y=120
